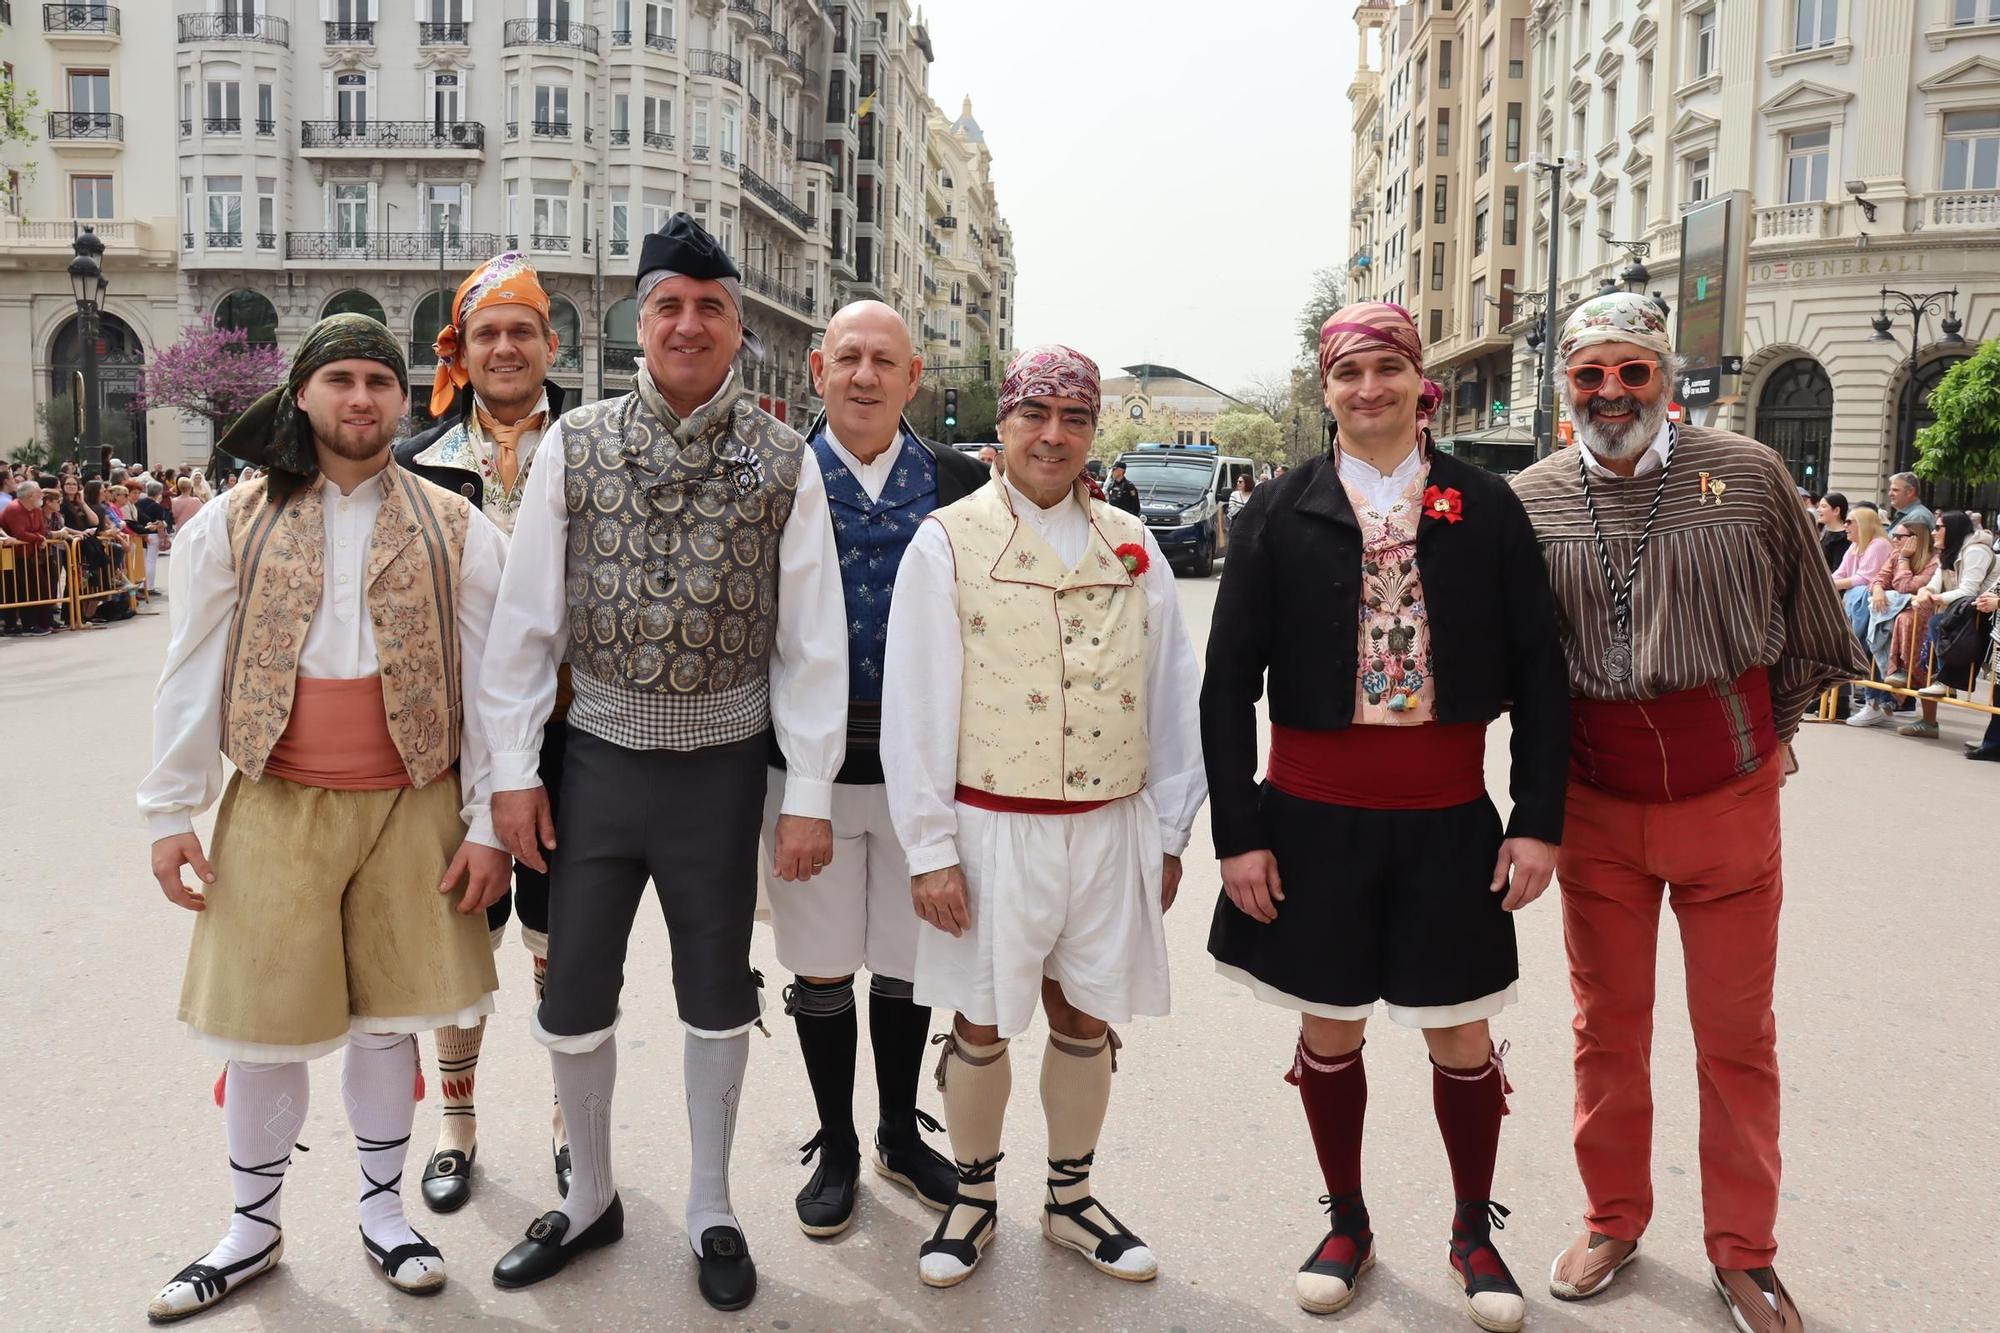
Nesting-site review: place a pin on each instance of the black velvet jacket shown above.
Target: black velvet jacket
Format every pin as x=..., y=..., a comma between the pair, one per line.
x=1288, y=613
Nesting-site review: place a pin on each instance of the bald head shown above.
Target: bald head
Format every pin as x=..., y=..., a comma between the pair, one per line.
x=867, y=371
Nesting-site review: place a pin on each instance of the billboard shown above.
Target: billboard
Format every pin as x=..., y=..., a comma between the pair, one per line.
x=1709, y=334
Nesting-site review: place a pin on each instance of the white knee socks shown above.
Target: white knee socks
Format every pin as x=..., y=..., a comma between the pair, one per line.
x=712, y=1068
x=584, y=1083
x=379, y=1080
x=263, y=1109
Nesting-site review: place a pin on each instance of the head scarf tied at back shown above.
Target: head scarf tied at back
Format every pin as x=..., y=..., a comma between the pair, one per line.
x=505, y=279
x=683, y=248
x=1049, y=371
x=1376, y=326
x=1621, y=317
x=275, y=431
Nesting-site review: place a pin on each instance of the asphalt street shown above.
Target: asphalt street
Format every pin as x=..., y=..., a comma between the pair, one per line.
x=114, y=1171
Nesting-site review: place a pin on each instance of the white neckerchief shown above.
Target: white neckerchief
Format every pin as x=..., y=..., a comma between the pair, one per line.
x=872, y=475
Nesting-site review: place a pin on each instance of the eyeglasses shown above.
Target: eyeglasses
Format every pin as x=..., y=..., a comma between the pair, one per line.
x=1631, y=374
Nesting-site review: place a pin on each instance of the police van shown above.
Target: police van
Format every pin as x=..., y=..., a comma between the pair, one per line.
x=1184, y=500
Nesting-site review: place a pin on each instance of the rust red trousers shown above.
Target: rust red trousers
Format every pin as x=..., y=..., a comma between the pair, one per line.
x=1715, y=858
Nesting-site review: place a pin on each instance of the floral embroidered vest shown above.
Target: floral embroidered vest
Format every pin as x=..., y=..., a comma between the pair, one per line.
x=1394, y=685
x=463, y=446
x=1053, y=694
x=279, y=551
x=872, y=536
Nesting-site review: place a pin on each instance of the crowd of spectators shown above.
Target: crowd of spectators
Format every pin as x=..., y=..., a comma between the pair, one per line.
x=1920, y=590
x=118, y=525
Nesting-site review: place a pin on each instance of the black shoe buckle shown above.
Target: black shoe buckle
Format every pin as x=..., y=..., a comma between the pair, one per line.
x=541, y=1230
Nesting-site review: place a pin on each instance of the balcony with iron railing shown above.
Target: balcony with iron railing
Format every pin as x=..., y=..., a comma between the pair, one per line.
x=776, y=202
x=621, y=136
x=663, y=142
x=550, y=129
x=350, y=34
x=376, y=136
x=534, y=32
x=87, y=127
x=416, y=247
x=698, y=152
x=548, y=243
x=84, y=23
x=194, y=29
x=659, y=41
x=756, y=280
x=618, y=358
x=715, y=65
x=619, y=246
x=222, y=125
x=817, y=153
x=444, y=34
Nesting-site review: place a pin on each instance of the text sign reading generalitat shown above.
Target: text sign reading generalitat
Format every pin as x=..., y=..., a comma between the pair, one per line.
x=1710, y=270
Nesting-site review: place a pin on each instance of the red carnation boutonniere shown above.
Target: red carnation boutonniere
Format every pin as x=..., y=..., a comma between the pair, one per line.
x=1446, y=504
x=1132, y=555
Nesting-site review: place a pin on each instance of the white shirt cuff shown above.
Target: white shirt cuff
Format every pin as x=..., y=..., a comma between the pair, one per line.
x=479, y=829
x=516, y=770
x=808, y=798
x=169, y=824
x=933, y=856
x=1173, y=841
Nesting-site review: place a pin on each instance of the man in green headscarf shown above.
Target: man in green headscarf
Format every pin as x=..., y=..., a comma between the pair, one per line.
x=336, y=610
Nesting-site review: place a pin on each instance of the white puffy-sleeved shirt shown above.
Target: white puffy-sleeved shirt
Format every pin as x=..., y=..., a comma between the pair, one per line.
x=340, y=645
x=926, y=661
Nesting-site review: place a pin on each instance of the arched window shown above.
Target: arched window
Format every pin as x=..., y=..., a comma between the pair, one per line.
x=121, y=374
x=621, y=337
x=1913, y=413
x=353, y=301
x=252, y=312
x=425, y=324
x=1795, y=417
x=568, y=326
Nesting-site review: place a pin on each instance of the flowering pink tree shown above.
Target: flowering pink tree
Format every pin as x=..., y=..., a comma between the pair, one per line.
x=212, y=374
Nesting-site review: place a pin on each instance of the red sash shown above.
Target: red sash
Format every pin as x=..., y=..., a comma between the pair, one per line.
x=338, y=738
x=1678, y=745
x=1434, y=766
x=1022, y=805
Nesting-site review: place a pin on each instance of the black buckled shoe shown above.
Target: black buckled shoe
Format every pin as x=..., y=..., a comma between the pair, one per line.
x=826, y=1204
x=1328, y=1279
x=902, y=1155
x=542, y=1254
x=448, y=1180
x=727, y=1277
x=562, y=1171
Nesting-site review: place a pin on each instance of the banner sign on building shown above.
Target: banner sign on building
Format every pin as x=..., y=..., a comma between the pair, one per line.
x=1709, y=335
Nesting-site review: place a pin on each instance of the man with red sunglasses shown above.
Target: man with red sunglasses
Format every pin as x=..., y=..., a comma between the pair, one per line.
x=1699, y=624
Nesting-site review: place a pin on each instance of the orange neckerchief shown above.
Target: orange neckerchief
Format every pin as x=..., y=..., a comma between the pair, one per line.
x=506, y=443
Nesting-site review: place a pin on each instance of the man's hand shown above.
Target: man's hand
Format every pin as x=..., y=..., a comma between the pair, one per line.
x=169, y=855
x=804, y=847
x=1170, y=882
x=485, y=871
x=1251, y=881
x=1788, y=762
x=940, y=899
x=521, y=821
x=1529, y=863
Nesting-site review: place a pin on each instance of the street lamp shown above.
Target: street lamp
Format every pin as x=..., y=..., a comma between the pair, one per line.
x=87, y=283
x=1916, y=306
x=1558, y=170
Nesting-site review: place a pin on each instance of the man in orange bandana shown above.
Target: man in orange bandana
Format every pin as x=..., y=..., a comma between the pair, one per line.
x=493, y=400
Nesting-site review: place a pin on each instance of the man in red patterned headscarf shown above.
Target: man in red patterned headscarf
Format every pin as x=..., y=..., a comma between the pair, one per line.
x=1391, y=600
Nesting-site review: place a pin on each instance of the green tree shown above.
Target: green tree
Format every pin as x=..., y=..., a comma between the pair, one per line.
x=1329, y=293
x=1123, y=436
x=1249, y=433
x=1964, y=441
x=60, y=432
x=17, y=126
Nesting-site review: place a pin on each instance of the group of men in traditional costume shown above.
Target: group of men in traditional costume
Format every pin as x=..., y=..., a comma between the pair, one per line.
x=531, y=660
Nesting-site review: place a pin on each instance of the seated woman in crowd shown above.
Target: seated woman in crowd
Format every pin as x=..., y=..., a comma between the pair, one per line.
x=1868, y=554
x=1834, y=538
x=1974, y=575
x=1913, y=622
x=1891, y=590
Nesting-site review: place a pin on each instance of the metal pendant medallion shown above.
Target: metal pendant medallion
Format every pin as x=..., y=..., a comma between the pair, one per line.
x=1618, y=655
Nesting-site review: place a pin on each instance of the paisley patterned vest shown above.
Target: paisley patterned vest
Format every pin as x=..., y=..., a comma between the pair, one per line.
x=673, y=547
x=1053, y=700
x=279, y=550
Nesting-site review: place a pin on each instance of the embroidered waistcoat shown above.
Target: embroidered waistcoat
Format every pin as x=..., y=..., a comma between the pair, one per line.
x=1394, y=683
x=463, y=447
x=673, y=543
x=1053, y=693
x=872, y=536
x=279, y=552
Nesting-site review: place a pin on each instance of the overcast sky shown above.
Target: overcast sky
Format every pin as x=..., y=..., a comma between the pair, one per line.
x=1174, y=172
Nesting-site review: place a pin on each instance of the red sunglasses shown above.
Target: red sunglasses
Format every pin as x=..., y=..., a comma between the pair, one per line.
x=1631, y=374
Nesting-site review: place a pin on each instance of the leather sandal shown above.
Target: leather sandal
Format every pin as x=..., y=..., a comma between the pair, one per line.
x=1327, y=1282
x=1117, y=1251
x=946, y=1261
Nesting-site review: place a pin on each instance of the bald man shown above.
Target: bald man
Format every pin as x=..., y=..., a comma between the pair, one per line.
x=882, y=480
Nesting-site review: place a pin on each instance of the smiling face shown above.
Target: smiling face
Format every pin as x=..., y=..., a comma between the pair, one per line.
x=1616, y=420
x=1373, y=397
x=690, y=333
x=508, y=352
x=1044, y=443
x=355, y=406
x=867, y=373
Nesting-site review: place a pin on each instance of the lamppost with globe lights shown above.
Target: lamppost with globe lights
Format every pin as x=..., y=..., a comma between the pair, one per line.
x=1916, y=306
x=87, y=283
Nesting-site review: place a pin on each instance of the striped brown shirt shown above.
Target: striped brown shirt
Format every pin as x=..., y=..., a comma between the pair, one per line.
x=1733, y=577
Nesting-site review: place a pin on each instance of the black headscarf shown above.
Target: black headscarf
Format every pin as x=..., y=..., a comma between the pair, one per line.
x=274, y=432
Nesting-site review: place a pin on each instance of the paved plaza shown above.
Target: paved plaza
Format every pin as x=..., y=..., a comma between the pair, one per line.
x=113, y=1173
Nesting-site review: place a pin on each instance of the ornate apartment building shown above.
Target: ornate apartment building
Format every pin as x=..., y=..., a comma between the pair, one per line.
x=1866, y=136
x=100, y=157
x=968, y=287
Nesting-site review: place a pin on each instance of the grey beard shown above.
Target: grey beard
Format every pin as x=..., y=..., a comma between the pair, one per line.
x=1630, y=442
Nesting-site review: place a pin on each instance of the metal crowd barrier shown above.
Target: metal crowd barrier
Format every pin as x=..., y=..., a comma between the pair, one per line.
x=53, y=575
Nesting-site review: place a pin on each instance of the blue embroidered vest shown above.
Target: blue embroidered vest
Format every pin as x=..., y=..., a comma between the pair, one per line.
x=872, y=536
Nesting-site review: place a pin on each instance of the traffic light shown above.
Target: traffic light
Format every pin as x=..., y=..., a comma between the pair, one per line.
x=951, y=407
x=1499, y=408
